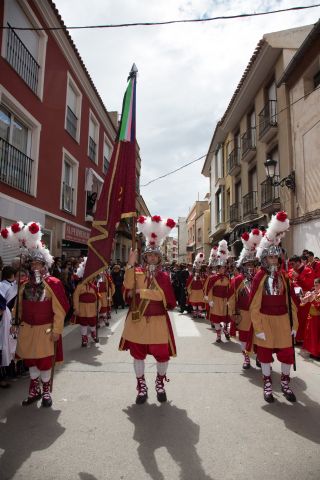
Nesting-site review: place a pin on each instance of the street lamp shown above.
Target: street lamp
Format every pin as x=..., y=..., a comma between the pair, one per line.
x=289, y=181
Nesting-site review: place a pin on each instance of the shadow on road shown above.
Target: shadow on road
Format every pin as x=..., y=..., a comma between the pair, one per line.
x=170, y=427
x=229, y=347
x=86, y=476
x=24, y=431
x=302, y=417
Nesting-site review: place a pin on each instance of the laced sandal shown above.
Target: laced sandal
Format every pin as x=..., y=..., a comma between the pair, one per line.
x=142, y=390
x=286, y=390
x=46, y=397
x=34, y=392
x=246, y=361
x=267, y=389
x=161, y=393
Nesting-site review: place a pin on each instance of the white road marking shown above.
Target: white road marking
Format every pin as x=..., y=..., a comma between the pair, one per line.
x=185, y=326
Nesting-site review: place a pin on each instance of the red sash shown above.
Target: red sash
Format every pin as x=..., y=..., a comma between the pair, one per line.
x=37, y=313
x=274, y=305
x=220, y=291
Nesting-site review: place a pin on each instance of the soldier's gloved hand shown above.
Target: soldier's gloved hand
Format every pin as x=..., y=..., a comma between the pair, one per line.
x=211, y=303
x=261, y=336
x=206, y=298
x=294, y=333
x=55, y=337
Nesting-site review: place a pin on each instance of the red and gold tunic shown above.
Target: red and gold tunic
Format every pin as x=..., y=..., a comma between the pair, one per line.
x=106, y=290
x=218, y=293
x=86, y=304
x=195, y=285
x=239, y=302
x=153, y=301
x=42, y=310
x=269, y=312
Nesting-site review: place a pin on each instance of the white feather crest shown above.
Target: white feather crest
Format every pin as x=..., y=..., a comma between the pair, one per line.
x=155, y=228
x=223, y=252
x=277, y=227
x=81, y=268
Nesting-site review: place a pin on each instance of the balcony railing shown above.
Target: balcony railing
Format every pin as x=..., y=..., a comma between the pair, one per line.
x=67, y=198
x=15, y=167
x=249, y=203
x=267, y=117
x=92, y=149
x=249, y=140
x=269, y=194
x=233, y=162
x=235, y=213
x=72, y=122
x=22, y=60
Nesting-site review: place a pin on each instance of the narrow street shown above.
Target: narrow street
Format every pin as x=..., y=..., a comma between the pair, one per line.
x=215, y=425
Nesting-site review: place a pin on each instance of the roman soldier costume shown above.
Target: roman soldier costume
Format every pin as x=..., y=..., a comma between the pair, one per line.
x=147, y=329
x=195, y=286
x=273, y=309
x=106, y=290
x=86, y=306
x=41, y=308
x=218, y=291
x=240, y=289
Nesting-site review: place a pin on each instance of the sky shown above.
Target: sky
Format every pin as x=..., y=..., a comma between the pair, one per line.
x=187, y=75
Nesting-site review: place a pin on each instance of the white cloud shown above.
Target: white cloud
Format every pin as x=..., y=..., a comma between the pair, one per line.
x=187, y=75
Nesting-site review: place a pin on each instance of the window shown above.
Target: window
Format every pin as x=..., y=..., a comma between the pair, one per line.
x=69, y=182
x=93, y=189
x=253, y=180
x=25, y=50
x=73, y=109
x=19, y=144
x=219, y=170
x=199, y=239
x=93, y=138
x=219, y=207
x=107, y=150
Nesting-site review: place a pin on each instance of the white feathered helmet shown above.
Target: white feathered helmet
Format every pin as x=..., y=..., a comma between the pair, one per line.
x=28, y=236
x=223, y=253
x=155, y=229
x=198, y=261
x=213, y=256
x=250, y=242
x=81, y=268
x=276, y=230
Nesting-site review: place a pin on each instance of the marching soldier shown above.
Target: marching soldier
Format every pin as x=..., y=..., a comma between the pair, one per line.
x=272, y=309
x=147, y=329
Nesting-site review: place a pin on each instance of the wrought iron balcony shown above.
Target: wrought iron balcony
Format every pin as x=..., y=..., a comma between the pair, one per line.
x=92, y=149
x=249, y=203
x=235, y=213
x=268, y=121
x=67, y=198
x=233, y=162
x=22, y=60
x=15, y=167
x=72, y=122
x=248, y=144
x=270, y=196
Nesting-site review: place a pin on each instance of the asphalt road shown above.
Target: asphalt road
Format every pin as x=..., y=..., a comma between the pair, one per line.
x=215, y=425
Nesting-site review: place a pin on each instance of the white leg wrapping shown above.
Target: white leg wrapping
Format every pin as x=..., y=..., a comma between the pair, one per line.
x=92, y=329
x=162, y=367
x=45, y=375
x=138, y=366
x=83, y=329
x=200, y=308
x=34, y=372
x=266, y=370
x=217, y=326
x=243, y=346
x=285, y=368
x=194, y=308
